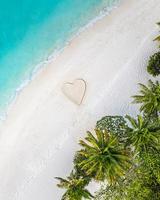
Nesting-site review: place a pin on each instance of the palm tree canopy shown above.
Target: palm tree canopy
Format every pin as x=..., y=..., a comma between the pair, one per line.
x=158, y=37
x=143, y=134
x=75, y=188
x=149, y=98
x=104, y=157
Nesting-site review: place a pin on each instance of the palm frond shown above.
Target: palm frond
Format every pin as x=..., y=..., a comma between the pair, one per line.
x=93, y=141
x=103, y=159
x=132, y=121
x=75, y=188
x=144, y=135
x=157, y=38
x=149, y=98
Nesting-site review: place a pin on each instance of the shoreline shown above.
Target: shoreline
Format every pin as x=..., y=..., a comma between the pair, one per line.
x=39, y=137
x=52, y=57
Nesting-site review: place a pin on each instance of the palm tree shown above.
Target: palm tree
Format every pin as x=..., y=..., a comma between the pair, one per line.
x=143, y=134
x=104, y=157
x=149, y=98
x=75, y=188
x=158, y=37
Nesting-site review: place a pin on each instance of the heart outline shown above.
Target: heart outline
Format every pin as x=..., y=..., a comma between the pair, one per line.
x=72, y=84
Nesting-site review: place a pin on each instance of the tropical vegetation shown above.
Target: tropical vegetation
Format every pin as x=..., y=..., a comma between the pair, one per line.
x=75, y=187
x=153, y=66
x=143, y=134
x=116, y=125
x=123, y=152
x=158, y=37
x=142, y=181
x=104, y=157
x=149, y=98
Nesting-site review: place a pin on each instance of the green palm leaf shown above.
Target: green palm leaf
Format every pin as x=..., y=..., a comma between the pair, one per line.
x=104, y=157
x=75, y=188
x=149, y=98
x=157, y=38
x=145, y=135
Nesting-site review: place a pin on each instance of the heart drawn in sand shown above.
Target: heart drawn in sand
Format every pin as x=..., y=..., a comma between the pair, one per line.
x=75, y=91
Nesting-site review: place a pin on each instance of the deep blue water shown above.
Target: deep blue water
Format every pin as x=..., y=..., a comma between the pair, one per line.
x=30, y=30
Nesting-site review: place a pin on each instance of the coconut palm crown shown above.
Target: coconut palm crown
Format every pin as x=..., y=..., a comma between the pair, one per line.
x=143, y=134
x=149, y=98
x=104, y=157
x=75, y=188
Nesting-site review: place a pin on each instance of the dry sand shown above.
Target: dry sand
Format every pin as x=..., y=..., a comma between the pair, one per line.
x=39, y=137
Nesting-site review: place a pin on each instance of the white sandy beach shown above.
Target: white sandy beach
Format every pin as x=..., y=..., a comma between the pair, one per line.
x=40, y=135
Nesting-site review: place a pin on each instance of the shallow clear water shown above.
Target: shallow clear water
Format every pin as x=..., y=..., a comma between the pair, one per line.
x=31, y=30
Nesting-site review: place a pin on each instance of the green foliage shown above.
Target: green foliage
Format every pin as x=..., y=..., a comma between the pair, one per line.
x=141, y=187
x=105, y=158
x=78, y=171
x=143, y=134
x=158, y=37
x=75, y=188
x=110, y=192
x=142, y=181
x=149, y=98
x=114, y=124
x=151, y=162
x=145, y=185
x=138, y=189
x=117, y=191
x=153, y=66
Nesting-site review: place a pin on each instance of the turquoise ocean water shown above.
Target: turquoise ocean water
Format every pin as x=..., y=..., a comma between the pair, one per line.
x=30, y=31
